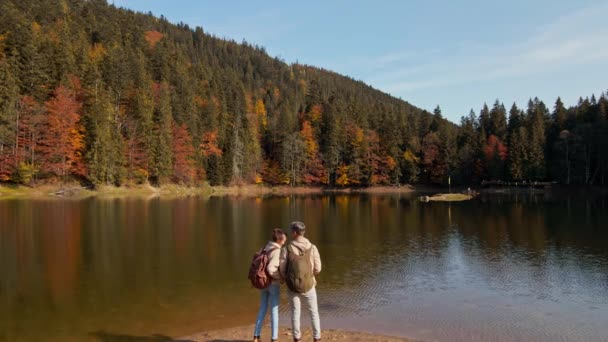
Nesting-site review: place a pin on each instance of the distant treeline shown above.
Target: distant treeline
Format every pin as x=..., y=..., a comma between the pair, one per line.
x=103, y=95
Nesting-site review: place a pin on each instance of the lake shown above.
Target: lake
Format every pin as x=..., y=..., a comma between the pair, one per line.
x=518, y=267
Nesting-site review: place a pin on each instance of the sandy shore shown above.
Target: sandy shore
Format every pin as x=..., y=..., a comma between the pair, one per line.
x=244, y=334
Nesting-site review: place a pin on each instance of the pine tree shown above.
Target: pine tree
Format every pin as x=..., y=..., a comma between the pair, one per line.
x=518, y=157
x=8, y=119
x=161, y=158
x=536, y=152
x=560, y=115
x=105, y=143
x=498, y=121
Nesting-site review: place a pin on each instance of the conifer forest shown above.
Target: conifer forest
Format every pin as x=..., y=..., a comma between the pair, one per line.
x=102, y=95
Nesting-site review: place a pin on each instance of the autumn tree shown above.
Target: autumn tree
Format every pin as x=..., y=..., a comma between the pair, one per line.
x=62, y=141
x=495, y=153
x=313, y=172
x=183, y=153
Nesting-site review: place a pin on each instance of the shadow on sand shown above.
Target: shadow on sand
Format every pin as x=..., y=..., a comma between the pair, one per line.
x=110, y=337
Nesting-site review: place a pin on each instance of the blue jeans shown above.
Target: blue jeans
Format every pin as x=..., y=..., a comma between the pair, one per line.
x=269, y=296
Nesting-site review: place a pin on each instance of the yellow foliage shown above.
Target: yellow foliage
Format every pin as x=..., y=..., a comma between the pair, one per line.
x=96, y=52
x=36, y=28
x=315, y=113
x=391, y=164
x=258, y=179
x=357, y=141
x=260, y=110
x=342, y=179
x=303, y=86
x=410, y=157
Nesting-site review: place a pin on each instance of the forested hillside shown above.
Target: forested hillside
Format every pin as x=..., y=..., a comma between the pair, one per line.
x=102, y=95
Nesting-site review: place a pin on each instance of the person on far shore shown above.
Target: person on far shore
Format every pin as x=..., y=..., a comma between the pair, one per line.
x=271, y=294
x=302, y=263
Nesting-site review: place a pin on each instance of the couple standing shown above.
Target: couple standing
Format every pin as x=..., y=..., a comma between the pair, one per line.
x=296, y=264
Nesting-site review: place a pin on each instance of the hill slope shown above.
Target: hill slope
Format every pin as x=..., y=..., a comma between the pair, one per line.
x=108, y=95
x=158, y=101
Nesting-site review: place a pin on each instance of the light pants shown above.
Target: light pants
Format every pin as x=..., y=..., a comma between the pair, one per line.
x=268, y=296
x=310, y=298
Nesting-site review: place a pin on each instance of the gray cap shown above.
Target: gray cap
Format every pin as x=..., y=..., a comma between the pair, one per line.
x=298, y=226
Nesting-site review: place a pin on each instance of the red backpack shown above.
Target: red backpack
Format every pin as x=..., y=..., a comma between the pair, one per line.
x=260, y=279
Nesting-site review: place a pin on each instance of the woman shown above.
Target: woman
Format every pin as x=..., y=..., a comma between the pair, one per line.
x=271, y=294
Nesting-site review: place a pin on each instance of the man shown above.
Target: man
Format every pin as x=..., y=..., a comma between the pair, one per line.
x=302, y=263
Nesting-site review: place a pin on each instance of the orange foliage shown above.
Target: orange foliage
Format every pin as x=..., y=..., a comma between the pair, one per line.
x=200, y=102
x=390, y=163
x=314, y=172
x=6, y=164
x=315, y=113
x=183, y=165
x=62, y=142
x=272, y=173
x=153, y=37
x=2, y=44
x=209, y=144
x=311, y=144
x=495, y=148
x=248, y=102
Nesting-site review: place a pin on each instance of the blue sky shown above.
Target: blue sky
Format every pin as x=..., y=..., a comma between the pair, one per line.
x=455, y=54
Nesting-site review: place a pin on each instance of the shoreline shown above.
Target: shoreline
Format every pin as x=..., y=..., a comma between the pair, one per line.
x=244, y=334
x=74, y=191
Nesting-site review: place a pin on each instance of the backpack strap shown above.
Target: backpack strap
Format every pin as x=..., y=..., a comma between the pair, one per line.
x=300, y=249
x=270, y=250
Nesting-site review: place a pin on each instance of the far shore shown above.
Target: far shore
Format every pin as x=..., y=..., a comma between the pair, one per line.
x=76, y=191
x=244, y=334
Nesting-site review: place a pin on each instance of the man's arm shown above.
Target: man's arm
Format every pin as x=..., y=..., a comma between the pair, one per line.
x=283, y=262
x=316, y=260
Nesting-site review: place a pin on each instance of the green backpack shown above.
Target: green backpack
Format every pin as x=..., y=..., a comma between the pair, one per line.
x=299, y=277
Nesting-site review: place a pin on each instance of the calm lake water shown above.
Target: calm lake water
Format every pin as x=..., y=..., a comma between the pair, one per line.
x=498, y=268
